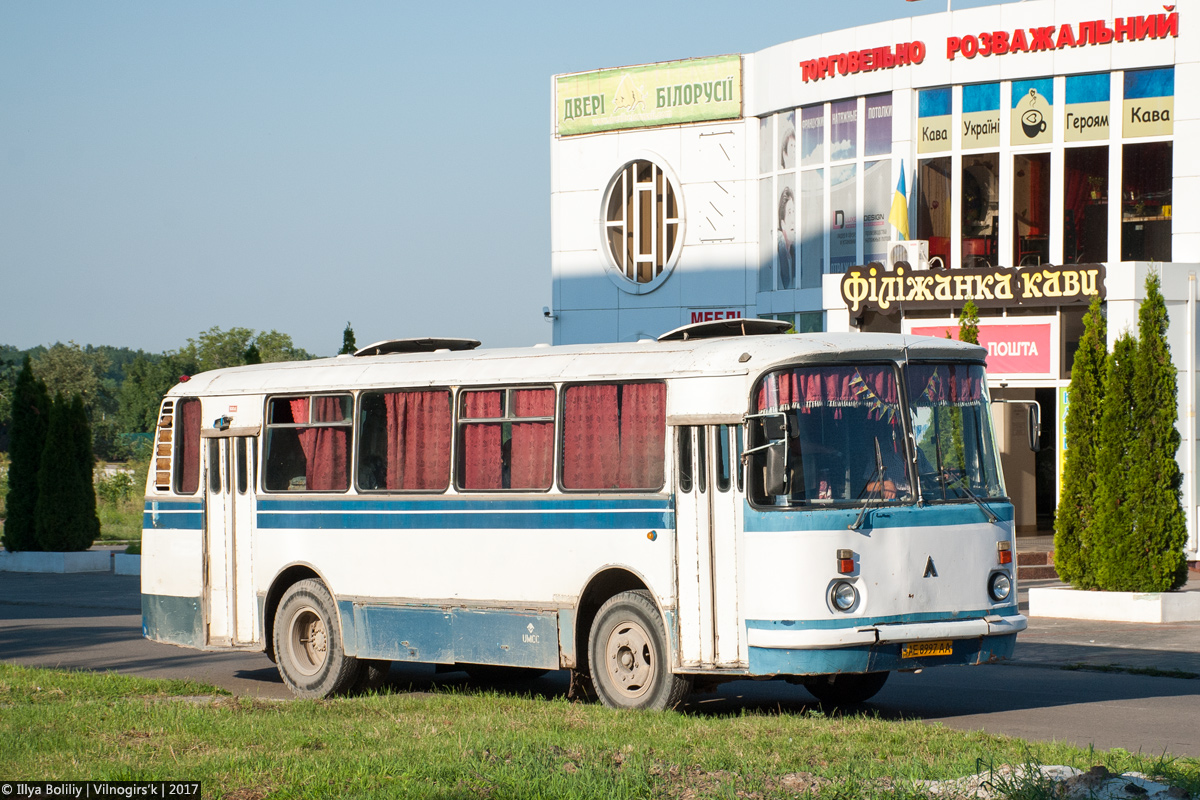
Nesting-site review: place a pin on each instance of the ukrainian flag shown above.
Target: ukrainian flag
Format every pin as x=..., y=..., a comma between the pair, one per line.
x=899, y=214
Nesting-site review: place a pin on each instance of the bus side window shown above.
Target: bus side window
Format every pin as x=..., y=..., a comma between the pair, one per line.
x=187, y=446
x=404, y=441
x=614, y=436
x=721, y=457
x=308, y=443
x=685, y=458
x=214, y=466
x=702, y=459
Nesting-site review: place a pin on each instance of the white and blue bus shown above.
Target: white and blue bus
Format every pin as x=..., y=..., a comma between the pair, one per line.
x=722, y=503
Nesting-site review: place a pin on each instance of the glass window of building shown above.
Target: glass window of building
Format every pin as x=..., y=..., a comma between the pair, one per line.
x=933, y=206
x=1031, y=209
x=878, y=125
x=642, y=221
x=812, y=228
x=980, y=203
x=1085, y=205
x=1146, y=202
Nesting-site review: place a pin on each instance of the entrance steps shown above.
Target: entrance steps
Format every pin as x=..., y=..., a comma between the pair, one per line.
x=1035, y=558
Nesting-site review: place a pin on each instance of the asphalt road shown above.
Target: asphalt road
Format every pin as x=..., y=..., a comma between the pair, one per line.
x=93, y=622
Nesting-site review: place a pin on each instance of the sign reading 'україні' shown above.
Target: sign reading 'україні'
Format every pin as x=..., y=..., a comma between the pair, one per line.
x=872, y=287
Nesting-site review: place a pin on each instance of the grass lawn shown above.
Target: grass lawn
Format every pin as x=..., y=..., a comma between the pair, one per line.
x=480, y=744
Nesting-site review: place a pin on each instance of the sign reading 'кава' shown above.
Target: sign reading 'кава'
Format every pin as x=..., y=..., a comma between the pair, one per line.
x=695, y=90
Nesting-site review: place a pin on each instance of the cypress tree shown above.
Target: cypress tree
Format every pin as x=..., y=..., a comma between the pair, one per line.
x=968, y=323
x=86, y=460
x=1155, y=560
x=63, y=522
x=348, y=345
x=1077, y=507
x=30, y=416
x=1108, y=538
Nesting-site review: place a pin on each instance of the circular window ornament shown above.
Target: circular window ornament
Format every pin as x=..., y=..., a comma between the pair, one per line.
x=642, y=226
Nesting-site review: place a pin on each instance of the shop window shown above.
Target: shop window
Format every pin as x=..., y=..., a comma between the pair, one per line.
x=1031, y=209
x=506, y=439
x=404, y=441
x=980, y=210
x=308, y=443
x=187, y=446
x=1085, y=205
x=642, y=221
x=614, y=436
x=1146, y=202
x=933, y=206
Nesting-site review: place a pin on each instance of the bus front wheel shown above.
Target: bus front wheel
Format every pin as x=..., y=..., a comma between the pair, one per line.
x=628, y=657
x=308, y=643
x=847, y=689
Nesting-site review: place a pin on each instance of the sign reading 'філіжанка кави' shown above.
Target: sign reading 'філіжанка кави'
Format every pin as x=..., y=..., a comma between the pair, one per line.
x=872, y=287
x=693, y=90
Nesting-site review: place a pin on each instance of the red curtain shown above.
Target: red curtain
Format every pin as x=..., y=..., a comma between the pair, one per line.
x=872, y=387
x=643, y=435
x=418, y=440
x=531, y=460
x=481, y=457
x=945, y=384
x=187, y=440
x=326, y=449
x=591, y=447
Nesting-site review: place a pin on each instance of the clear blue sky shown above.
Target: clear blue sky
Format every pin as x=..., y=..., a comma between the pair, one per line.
x=170, y=166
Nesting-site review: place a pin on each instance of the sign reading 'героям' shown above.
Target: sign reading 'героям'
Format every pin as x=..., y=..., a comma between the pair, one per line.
x=694, y=90
x=871, y=287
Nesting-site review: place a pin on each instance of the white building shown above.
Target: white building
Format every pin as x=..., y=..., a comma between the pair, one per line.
x=1035, y=142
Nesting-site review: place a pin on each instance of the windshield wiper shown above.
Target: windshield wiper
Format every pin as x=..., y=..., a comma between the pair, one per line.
x=879, y=472
x=961, y=483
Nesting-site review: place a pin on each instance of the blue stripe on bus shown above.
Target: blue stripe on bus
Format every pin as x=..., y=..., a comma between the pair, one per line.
x=180, y=515
x=875, y=658
x=839, y=519
x=474, y=520
x=861, y=622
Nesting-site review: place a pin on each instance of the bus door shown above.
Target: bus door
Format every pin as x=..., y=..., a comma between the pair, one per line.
x=229, y=599
x=708, y=514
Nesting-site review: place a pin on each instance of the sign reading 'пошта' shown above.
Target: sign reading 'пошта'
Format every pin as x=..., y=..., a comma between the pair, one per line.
x=871, y=287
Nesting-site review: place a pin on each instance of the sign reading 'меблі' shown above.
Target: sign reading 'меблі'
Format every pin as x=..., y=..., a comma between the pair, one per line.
x=694, y=90
x=992, y=287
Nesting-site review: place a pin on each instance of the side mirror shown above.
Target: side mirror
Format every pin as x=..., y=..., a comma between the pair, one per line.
x=774, y=427
x=775, y=473
x=1035, y=426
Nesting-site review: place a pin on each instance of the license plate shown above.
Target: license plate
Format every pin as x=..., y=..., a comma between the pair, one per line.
x=922, y=649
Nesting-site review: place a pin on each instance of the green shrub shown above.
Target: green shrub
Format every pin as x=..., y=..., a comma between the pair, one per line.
x=30, y=413
x=1118, y=432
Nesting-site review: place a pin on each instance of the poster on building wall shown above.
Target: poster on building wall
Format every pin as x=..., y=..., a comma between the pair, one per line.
x=1032, y=112
x=981, y=116
x=692, y=90
x=812, y=135
x=878, y=125
x=843, y=130
x=878, y=191
x=1024, y=349
x=933, y=120
x=1149, y=102
x=812, y=228
x=1087, y=108
x=843, y=228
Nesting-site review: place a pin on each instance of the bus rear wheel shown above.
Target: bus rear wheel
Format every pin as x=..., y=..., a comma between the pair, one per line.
x=628, y=658
x=308, y=643
x=845, y=690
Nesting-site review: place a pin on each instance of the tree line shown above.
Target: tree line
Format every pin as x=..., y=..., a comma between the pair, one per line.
x=120, y=389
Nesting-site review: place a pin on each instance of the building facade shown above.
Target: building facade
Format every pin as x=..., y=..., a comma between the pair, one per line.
x=1034, y=147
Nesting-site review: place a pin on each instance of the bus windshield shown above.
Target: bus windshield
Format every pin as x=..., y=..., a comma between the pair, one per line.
x=952, y=426
x=845, y=437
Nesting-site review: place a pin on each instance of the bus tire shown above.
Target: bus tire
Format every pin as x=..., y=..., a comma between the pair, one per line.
x=308, y=643
x=628, y=657
x=845, y=689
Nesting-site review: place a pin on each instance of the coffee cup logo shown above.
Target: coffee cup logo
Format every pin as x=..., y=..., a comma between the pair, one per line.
x=1033, y=123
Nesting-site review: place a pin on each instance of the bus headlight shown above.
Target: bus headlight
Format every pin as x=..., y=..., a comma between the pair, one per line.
x=999, y=586
x=843, y=595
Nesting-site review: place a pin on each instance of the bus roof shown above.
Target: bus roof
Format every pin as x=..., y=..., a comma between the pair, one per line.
x=744, y=355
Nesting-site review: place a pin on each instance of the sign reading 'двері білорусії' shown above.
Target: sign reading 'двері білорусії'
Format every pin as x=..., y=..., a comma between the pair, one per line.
x=873, y=287
x=653, y=94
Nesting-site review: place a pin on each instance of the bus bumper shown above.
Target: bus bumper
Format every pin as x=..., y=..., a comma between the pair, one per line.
x=880, y=648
